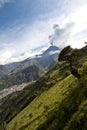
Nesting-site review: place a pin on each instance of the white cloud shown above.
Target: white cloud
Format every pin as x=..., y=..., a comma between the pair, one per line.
x=22, y=38
x=53, y=52
x=79, y=32
x=4, y=57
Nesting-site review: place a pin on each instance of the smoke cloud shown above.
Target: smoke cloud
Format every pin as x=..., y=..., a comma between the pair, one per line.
x=61, y=34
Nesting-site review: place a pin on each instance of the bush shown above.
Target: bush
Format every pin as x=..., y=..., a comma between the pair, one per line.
x=63, y=54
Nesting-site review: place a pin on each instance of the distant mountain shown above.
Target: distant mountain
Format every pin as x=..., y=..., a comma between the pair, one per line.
x=29, y=69
x=49, y=57
x=51, y=51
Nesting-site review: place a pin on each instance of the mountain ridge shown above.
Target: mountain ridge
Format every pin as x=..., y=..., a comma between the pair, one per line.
x=19, y=72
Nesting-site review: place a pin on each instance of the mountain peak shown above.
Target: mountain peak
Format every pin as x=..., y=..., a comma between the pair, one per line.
x=51, y=49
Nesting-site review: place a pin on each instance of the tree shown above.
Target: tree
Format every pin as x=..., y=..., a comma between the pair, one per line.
x=64, y=53
x=71, y=56
x=73, y=63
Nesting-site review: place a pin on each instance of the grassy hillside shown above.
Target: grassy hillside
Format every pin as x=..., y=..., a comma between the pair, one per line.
x=38, y=111
x=14, y=103
x=62, y=101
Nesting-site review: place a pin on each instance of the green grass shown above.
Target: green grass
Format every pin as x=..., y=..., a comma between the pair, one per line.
x=40, y=107
x=79, y=119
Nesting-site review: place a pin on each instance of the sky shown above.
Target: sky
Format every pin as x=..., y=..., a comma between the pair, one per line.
x=28, y=27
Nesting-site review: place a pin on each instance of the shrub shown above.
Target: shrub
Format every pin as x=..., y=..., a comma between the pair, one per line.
x=63, y=54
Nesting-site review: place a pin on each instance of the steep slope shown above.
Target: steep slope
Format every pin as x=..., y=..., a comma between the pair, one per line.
x=41, y=109
x=60, y=102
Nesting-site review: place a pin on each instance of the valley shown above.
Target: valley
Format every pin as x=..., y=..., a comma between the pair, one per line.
x=12, y=89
